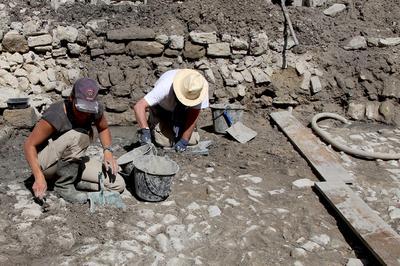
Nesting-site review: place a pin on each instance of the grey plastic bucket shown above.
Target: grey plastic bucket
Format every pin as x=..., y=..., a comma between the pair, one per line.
x=153, y=177
x=234, y=112
x=126, y=160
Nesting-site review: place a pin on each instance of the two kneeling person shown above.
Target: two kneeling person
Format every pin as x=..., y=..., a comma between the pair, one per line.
x=56, y=147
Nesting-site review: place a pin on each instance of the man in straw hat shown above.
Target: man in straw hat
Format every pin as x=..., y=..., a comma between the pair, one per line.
x=56, y=147
x=174, y=105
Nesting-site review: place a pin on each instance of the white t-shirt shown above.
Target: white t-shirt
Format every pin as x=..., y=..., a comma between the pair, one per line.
x=163, y=93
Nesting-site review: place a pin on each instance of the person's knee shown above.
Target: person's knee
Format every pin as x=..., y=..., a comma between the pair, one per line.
x=118, y=185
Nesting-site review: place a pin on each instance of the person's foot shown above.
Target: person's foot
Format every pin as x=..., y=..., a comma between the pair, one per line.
x=71, y=195
x=87, y=186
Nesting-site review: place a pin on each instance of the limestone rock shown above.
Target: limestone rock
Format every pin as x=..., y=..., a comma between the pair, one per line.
x=120, y=119
x=69, y=34
x=14, y=42
x=131, y=33
x=237, y=76
x=354, y=262
x=239, y=44
x=98, y=26
x=372, y=110
x=387, y=110
x=356, y=43
x=391, y=87
x=389, y=41
x=258, y=43
x=21, y=118
x=260, y=77
x=314, y=3
x=247, y=75
x=7, y=92
x=59, y=52
x=119, y=105
x=104, y=78
x=209, y=75
x=41, y=40
x=176, y=42
x=356, y=110
x=15, y=58
x=301, y=67
x=8, y=78
x=219, y=49
x=203, y=37
x=315, y=84
x=96, y=52
x=334, y=9
x=143, y=48
x=303, y=183
x=114, y=48
x=20, y=72
x=116, y=75
x=96, y=43
x=121, y=90
x=31, y=27
x=193, y=51
x=75, y=49
x=162, y=38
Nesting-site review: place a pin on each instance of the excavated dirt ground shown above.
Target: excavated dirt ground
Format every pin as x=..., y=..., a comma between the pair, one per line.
x=238, y=204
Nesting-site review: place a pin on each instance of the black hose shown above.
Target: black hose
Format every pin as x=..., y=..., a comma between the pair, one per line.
x=356, y=152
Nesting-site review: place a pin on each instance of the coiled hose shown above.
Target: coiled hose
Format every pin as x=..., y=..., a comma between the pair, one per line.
x=356, y=152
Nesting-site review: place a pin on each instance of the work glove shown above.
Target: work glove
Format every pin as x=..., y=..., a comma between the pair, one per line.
x=144, y=136
x=181, y=145
x=107, y=171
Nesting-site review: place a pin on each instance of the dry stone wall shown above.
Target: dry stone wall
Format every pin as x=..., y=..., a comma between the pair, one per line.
x=41, y=60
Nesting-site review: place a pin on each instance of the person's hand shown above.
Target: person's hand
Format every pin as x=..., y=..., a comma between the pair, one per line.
x=144, y=136
x=181, y=145
x=39, y=188
x=110, y=165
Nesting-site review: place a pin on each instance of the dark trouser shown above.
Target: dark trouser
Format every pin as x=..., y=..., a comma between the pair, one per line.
x=167, y=127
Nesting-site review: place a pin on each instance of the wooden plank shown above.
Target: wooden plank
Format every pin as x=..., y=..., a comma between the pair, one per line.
x=379, y=237
x=325, y=162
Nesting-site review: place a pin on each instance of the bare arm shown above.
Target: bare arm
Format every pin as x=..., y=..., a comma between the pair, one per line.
x=42, y=132
x=190, y=123
x=140, y=113
x=106, y=141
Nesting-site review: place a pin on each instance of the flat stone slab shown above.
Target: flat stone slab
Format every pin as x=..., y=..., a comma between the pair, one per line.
x=378, y=236
x=326, y=163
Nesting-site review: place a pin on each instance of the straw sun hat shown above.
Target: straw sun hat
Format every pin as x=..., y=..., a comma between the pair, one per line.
x=190, y=87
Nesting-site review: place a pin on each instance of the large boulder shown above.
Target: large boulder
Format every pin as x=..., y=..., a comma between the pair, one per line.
x=21, y=118
x=143, y=48
x=15, y=42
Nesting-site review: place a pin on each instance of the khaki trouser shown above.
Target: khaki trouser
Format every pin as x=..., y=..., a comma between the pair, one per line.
x=163, y=132
x=71, y=146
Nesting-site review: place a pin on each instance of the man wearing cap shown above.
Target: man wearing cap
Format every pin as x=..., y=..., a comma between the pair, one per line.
x=174, y=105
x=56, y=146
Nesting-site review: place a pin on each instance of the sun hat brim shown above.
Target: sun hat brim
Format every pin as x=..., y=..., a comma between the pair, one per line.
x=178, y=86
x=87, y=106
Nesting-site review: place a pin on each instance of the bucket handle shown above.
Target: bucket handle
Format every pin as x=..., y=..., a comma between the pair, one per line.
x=150, y=185
x=228, y=118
